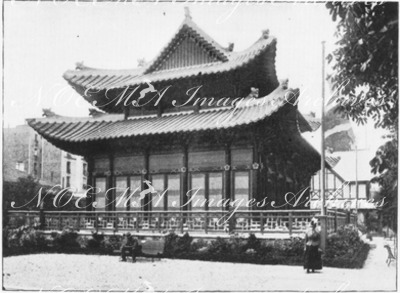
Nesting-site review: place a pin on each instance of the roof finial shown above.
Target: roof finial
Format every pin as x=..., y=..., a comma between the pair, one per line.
x=187, y=13
x=265, y=34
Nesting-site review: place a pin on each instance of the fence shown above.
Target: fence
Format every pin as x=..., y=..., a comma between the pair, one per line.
x=207, y=222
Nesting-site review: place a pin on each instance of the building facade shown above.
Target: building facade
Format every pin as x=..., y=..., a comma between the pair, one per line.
x=198, y=126
x=26, y=153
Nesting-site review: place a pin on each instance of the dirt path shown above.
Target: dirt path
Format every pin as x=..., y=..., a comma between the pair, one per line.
x=85, y=272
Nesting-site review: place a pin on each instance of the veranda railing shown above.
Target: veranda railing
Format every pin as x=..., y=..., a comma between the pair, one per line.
x=274, y=221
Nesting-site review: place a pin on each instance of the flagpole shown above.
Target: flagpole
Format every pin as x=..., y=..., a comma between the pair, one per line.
x=356, y=223
x=322, y=195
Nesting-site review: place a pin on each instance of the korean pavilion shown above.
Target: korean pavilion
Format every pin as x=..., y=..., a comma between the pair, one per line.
x=200, y=116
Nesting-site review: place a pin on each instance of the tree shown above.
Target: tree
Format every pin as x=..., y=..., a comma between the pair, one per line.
x=365, y=65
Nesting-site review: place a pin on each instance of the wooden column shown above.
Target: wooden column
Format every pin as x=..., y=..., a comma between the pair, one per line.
x=146, y=176
x=110, y=184
x=90, y=183
x=184, y=177
x=227, y=174
x=254, y=171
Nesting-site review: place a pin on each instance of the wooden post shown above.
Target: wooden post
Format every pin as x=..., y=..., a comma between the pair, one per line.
x=116, y=222
x=146, y=177
x=59, y=222
x=336, y=223
x=262, y=222
x=90, y=183
x=227, y=184
x=181, y=224
x=184, y=177
x=137, y=222
x=78, y=222
x=97, y=223
x=206, y=222
x=42, y=218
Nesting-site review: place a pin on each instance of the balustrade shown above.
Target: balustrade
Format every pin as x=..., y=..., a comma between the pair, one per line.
x=274, y=221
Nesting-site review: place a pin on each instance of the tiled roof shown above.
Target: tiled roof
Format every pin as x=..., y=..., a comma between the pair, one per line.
x=99, y=79
x=114, y=126
x=332, y=161
x=199, y=34
x=346, y=166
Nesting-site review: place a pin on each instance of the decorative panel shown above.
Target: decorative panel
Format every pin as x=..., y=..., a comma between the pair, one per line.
x=206, y=159
x=166, y=162
x=174, y=193
x=198, y=181
x=157, y=181
x=215, y=190
x=101, y=165
x=242, y=157
x=242, y=190
x=188, y=53
x=135, y=189
x=129, y=164
x=100, y=194
x=121, y=193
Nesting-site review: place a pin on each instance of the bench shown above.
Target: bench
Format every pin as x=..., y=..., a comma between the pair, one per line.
x=153, y=248
x=149, y=248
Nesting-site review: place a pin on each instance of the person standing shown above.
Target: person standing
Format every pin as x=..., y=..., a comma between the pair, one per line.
x=312, y=250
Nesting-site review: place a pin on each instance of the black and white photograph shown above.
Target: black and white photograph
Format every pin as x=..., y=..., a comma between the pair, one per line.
x=199, y=146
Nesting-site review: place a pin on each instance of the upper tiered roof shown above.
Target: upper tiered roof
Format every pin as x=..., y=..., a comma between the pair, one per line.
x=190, y=53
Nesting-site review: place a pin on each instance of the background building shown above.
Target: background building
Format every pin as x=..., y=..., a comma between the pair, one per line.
x=26, y=153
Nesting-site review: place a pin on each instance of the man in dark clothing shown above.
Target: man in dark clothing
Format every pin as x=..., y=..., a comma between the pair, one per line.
x=129, y=247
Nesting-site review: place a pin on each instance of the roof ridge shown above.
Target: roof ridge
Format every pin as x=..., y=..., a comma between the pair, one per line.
x=192, y=25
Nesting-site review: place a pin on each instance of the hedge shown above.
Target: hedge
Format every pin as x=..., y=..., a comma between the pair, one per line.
x=344, y=249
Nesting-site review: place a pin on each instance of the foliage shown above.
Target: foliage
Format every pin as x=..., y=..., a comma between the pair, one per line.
x=366, y=74
x=95, y=241
x=345, y=249
x=367, y=54
x=385, y=165
x=25, y=239
x=66, y=240
x=175, y=245
x=110, y=244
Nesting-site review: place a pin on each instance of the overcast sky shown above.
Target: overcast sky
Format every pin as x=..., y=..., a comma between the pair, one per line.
x=43, y=40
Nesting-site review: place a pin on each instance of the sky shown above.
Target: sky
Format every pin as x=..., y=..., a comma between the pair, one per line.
x=44, y=39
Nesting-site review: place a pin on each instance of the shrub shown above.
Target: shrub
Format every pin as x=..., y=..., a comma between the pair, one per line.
x=82, y=241
x=66, y=241
x=345, y=249
x=110, y=243
x=95, y=241
x=22, y=240
x=175, y=245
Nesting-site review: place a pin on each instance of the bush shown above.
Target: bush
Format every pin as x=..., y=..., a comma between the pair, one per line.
x=175, y=245
x=345, y=249
x=66, y=241
x=110, y=243
x=23, y=240
x=94, y=242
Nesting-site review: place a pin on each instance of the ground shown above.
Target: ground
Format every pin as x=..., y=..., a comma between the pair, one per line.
x=88, y=272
